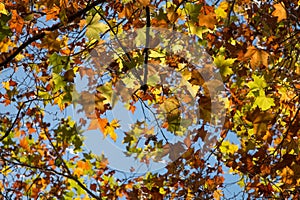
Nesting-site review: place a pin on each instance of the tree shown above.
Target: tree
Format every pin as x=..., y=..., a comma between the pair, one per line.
x=192, y=74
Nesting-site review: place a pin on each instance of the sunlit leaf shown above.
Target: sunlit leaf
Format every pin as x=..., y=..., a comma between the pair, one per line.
x=95, y=27
x=279, y=12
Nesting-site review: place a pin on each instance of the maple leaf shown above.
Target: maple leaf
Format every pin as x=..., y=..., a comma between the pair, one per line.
x=2, y=9
x=24, y=143
x=52, y=13
x=110, y=129
x=279, y=12
x=208, y=20
x=98, y=123
x=264, y=102
x=257, y=57
x=287, y=175
x=218, y=194
x=95, y=28
x=16, y=22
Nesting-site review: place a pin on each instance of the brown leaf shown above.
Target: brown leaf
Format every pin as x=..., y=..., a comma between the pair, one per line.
x=257, y=57
x=69, y=76
x=93, y=187
x=187, y=141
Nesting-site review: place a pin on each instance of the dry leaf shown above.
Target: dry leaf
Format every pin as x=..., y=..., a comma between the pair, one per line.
x=279, y=12
x=258, y=57
x=208, y=20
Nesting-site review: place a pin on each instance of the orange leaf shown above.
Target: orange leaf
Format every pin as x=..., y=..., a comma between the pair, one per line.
x=31, y=130
x=24, y=143
x=217, y=194
x=144, y=2
x=16, y=22
x=208, y=20
x=93, y=125
x=165, y=125
x=52, y=13
x=103, y=123
x=98, y=123
x=83, y=165
x=287, y=175
x=132, y=108
x=279, y=12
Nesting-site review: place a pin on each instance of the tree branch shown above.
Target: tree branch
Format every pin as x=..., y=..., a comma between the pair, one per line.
x=42, y=34
x=146, y=50
x=52, y=171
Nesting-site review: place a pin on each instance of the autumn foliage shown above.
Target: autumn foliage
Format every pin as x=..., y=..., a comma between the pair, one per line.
x=246, y=123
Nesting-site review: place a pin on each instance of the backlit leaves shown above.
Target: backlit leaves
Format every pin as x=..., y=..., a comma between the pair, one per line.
x=43, y=44
x=224, y=65
x=17, y=22
x=208, y=20
x=279, y=12
x=257, y=57
x=264, y=103
x=95, y=27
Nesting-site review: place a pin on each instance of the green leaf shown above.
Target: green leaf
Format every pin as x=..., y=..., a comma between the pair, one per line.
x=196, y=30
x=4, y=29
x=193, y=11
x=107, y=91
x=59, y=82
x=153, y=79
x=264, y=103
x=59, y=62
x=95, y=27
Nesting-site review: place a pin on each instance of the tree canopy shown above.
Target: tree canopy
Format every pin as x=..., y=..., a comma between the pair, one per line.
x=190, y=91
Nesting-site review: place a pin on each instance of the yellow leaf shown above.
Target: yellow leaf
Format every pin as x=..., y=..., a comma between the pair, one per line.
x=221, y=10
x=114, y=123
x=111, y=132
x=6, y=45
x=78, y=171
x=224, y=5
x=217, y=194
x=162, y=191
x=287, y=175
x=6, y=85
x=59, y=101
x=19, y=57
x=279, y=12
x=2, y=9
